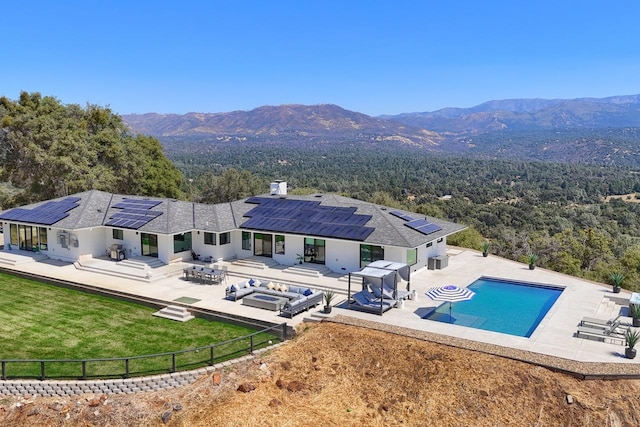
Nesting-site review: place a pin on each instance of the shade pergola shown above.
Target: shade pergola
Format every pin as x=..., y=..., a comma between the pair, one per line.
x=383, y=274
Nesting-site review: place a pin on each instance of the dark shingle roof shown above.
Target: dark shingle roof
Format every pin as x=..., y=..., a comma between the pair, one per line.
x=96, y=207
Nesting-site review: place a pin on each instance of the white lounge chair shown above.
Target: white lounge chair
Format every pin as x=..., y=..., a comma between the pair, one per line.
x=600, y=334
x=594, y=322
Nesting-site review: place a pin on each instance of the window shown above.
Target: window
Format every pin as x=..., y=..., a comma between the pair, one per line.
x=246, y=241
x=429, y=244
x=209, y=238
x=182, y=242
x=14, y=234
x=118, y=234
x=440, y=240
x=280, y=244
x=314, y=250
x=225, y=238
x=412, y=256
x=370, y=253
x=43, y=238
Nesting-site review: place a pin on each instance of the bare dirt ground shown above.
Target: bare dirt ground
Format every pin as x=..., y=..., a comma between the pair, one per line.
x=340, y=375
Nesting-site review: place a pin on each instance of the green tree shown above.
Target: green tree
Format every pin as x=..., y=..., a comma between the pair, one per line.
x=231, y=185
x=469, y=238
x=50, y=150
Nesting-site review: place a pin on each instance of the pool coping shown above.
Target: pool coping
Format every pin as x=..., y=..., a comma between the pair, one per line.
x=578, y=369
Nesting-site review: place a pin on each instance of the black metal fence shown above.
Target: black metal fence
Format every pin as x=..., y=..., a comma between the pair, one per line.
x=125, y=367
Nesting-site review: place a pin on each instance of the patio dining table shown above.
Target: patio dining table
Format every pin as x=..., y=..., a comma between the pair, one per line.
x=203, y=274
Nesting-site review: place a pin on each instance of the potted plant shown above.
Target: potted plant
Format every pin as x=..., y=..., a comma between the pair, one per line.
x=616, y=280
x=634, y=311
x=485, y=246
x=631, y=337
x=532, y=258
x=299, y=258
x=328, y=297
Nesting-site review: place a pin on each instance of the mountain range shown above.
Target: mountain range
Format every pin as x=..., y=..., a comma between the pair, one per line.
x=600, y=130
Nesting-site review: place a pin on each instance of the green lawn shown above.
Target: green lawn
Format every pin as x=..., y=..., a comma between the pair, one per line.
x=41, y=321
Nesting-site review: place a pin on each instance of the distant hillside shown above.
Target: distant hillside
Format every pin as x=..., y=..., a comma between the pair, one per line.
x=603, y=131
x=329, y=122
x=530, y=114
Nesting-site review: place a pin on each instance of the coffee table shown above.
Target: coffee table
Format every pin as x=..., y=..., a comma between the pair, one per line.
x=266, y=302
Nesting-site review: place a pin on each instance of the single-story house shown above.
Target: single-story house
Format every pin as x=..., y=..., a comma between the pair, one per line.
x=341, y=233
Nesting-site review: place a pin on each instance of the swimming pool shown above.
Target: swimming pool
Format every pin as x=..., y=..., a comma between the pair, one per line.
x=509, y=307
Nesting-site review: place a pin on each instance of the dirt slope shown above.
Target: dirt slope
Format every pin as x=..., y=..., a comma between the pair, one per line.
x=342, y=375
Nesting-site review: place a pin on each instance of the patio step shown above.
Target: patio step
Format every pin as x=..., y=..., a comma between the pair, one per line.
x=17, y=257
x=142, y=263
x=261, y=264
x=316, y=316
x=308, y=270
x=126, y=271
x=607, y=309
x=175, y=312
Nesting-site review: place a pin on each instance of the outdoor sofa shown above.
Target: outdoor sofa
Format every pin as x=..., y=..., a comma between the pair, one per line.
x=300, y=298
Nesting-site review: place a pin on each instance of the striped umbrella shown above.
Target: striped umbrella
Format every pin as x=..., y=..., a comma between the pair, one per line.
x=450, y=294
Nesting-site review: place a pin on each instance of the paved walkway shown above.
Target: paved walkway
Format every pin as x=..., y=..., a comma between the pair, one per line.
x=553, y=337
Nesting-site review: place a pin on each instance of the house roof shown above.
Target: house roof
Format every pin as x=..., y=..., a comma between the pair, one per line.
x=97, y=208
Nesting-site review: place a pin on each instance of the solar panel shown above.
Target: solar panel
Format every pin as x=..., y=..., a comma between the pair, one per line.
x=423, y=226
x=416, y=223
x=306, y=217
x=401, y=215
x=134, y=213
x=145, y=202
x=47, y=213
x=429, y=228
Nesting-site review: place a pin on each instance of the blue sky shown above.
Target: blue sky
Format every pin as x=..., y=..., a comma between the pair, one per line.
x=375, y=57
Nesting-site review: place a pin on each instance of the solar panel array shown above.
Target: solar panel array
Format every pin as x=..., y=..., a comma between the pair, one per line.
x=420, y=225
x=134, y=214
x=46, y=214
x=307, y=217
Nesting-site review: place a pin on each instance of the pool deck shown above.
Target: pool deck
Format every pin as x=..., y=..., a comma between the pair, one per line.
x=555, y=336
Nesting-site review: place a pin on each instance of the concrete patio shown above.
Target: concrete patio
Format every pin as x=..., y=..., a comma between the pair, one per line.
x=553, y=337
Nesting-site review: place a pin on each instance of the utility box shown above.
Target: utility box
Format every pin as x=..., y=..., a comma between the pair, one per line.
x=438, y=262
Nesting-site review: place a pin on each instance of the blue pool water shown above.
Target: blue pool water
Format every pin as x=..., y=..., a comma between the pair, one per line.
x=513, y=308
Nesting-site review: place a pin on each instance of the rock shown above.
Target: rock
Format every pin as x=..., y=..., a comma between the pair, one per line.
x=385, y=407
x=280, y=383
x=34, y=411
x=216, y=379
x=275, y=402
x=295, y=386
x=166, y=416
x=569, y=399
x=314, y=359
x=263, y=367
x=177, y=407
x=246, y=387
x=94, y=402
x=286, y=365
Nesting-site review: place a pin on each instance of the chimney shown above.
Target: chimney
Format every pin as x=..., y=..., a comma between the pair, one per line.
x=278, y=188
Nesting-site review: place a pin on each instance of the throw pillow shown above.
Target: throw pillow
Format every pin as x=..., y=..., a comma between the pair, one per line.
x=283, y=287
x=271, y=285
x=232, y=288
x=307, y=292
x=252, y=282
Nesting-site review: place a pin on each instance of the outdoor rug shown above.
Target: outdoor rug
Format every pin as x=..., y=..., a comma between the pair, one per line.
x=186, y=300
